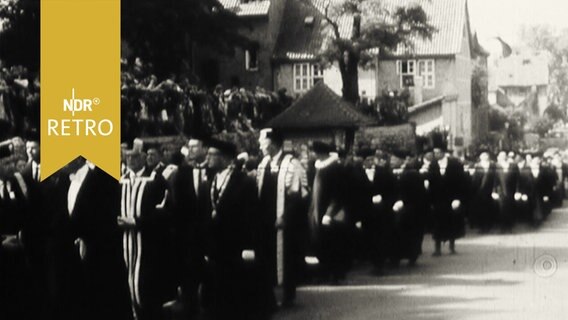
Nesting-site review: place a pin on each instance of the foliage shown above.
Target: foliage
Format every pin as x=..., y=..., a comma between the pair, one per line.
x=375, y=27
x=479, y=82
x=555, y=43
x=554, y=113
x=541, y=126
x=163, y=33
x=20, y=35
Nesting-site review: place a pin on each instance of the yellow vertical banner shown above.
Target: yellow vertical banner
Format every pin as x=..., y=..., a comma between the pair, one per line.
x=80, y=84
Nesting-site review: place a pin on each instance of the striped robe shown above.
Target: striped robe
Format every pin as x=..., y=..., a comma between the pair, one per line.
x=147, y=248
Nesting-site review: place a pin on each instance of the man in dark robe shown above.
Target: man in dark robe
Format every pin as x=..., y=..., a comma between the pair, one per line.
x=191, y=194
x=483, y=206
x=86, y=264
x=34, y=232
x=450, y=191
x=329, y=223
x=536, y=187
x=561, y=170
x=146, y=223
x=507, y=190
x=283, y=189
x=15, y=284
x=378, y=225
x=234, y=281
x=359, y=204
x=407, y=208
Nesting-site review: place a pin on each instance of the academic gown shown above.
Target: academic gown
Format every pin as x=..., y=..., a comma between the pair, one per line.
x=148, y=248
x=360, y=209
x=449, y=224
x=537, y=188
x=379, y=224
x=34, y=198
x=331, y=242
x=284, y=230
x=15, y=287
x=483, y=207
x=191, y=208
x=92, y=286
x=409, y=222
x=235, y=286
x=559, y=188
x=506, y=185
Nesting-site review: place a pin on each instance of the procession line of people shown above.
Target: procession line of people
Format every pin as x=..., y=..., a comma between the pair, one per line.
x=220, y=236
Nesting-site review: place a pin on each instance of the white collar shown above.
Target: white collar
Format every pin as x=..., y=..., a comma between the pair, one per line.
x=320, y=164
x=276, y=157
x=223, y=174
x=80, y=174
x=140, y=172
x=443, y=161
x=35, y=165
x=485, y=164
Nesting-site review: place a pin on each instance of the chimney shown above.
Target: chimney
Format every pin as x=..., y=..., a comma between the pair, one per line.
x=356, y=26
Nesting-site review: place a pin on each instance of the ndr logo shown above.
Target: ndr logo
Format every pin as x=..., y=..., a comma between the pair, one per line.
x=79, y=105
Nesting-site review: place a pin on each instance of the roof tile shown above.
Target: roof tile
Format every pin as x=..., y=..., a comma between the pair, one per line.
x=320, y=107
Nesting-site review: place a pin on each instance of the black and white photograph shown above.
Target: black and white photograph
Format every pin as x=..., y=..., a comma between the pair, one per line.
x=298, y=160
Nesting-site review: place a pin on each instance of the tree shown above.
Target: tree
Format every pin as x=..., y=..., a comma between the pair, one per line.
x=555, y=43
x=163, y=33
x=374, y=27
x=20, y=35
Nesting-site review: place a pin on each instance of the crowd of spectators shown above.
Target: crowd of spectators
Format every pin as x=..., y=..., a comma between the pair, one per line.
x=174, y=105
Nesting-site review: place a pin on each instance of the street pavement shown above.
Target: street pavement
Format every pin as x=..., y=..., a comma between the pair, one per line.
x=518, y=276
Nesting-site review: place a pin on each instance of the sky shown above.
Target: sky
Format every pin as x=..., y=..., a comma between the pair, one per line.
x=504, y=18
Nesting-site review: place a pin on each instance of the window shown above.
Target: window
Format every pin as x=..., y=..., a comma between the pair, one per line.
x=306, y=75
x=426, y=70
x=251, y=59
x=408, y=69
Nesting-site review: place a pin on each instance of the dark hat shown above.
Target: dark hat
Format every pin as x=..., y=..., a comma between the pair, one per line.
x=402, y=154
x=321, y=147
x=32, y=135
x=227, y=148
x=484, y=150
x=365, y=152
x=151, y=145
x=200, y=136
x=274, y=135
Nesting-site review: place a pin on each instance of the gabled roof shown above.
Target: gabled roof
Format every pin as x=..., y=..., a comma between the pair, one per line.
x=247, y=9
x=449, y=17
x=299, y=41
x=523, y=69
x=320, y=108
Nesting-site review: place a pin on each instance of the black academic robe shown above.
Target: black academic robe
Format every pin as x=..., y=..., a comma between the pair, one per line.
x=34, y=231
x=360, y=207
x=449, y=224
x=506, y=186
x=379, y=224
x=234, y=287
x=191, y=209
x=93, y=286
x=15, y=284
x=331, y=242
x=559, y=188
x=148, y=248
x=539, y=192
x=483, y=207
x=408, y=222
x=292, y=225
